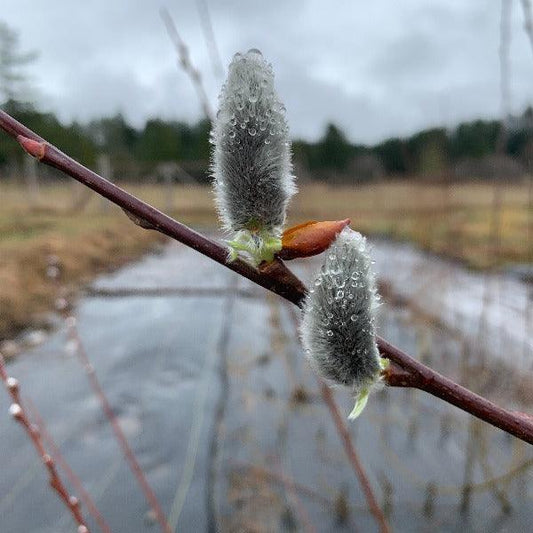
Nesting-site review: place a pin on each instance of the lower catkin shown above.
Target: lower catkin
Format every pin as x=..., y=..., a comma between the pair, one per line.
x=339, y=326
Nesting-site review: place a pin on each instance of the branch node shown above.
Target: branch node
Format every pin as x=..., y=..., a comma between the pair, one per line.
x=277, y=269
x=395, y=376
x=36, y=149
x=138, y=221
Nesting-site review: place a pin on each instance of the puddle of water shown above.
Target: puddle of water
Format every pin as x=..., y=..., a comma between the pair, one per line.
x=171, y=366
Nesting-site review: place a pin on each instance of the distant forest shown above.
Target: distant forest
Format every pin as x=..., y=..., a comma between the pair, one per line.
x=479, y=149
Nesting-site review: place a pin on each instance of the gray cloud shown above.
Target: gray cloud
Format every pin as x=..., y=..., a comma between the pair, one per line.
x=377, y=69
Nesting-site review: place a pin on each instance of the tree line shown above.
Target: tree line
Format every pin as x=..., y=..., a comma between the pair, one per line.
x=430, y=152
x=138, y=152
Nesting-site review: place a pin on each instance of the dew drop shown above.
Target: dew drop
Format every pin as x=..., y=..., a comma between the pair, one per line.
x=329, y=333
x=252, y=131
x=15, y=410
x=12, y=383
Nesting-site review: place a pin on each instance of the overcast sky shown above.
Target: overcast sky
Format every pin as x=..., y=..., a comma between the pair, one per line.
x=377, y=69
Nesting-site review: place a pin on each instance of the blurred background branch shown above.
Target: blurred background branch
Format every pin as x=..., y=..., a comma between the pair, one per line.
x=184, y=60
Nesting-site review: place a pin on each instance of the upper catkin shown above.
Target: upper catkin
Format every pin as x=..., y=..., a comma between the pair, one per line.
x=338, y=328
x=251, y=163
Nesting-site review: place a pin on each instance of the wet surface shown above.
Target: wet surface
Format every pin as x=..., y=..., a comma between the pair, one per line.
x=212, y=391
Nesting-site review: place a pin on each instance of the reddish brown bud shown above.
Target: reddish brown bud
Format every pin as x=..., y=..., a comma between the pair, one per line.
x=36, y=149
x=310, y=238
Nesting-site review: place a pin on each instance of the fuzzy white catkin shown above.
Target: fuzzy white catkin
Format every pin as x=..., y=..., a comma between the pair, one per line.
x=338, y=328
x=251, y=162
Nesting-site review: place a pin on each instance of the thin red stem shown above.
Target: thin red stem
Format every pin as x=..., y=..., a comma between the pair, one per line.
x=277, y=279
x=119, y=434
x=356, y=463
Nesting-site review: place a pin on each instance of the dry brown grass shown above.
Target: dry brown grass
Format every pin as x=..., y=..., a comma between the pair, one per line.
x=456, y=220
x=85, y=242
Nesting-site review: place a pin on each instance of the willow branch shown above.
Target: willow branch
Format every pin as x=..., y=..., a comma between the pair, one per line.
x=356, y=463
x=19, y=414
x=184, y=60
x=127, y=451
x=210, y=40
x=528, y=20
x=405, y=370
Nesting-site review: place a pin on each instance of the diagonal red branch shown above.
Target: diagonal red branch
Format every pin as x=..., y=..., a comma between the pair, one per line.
x=128, y=453
x=278, y=280
x=357, y=465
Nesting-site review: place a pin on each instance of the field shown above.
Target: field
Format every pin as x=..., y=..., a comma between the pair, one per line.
x=481, y=225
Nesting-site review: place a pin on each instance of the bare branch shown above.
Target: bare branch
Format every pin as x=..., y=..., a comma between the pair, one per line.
x=528, y=20
x=184, y=59
x=134, y=465
x=353, y=457
x=278, y=280
x=207, y=26
x=503, y=52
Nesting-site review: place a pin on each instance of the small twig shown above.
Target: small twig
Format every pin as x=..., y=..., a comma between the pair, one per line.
x=117, y=430
x=154, y=292
x=184, y=59
x=33, y=431
x=503, y=53
x=528, y=20
x=278, y=280
x=342, y=430
x=207, y=26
